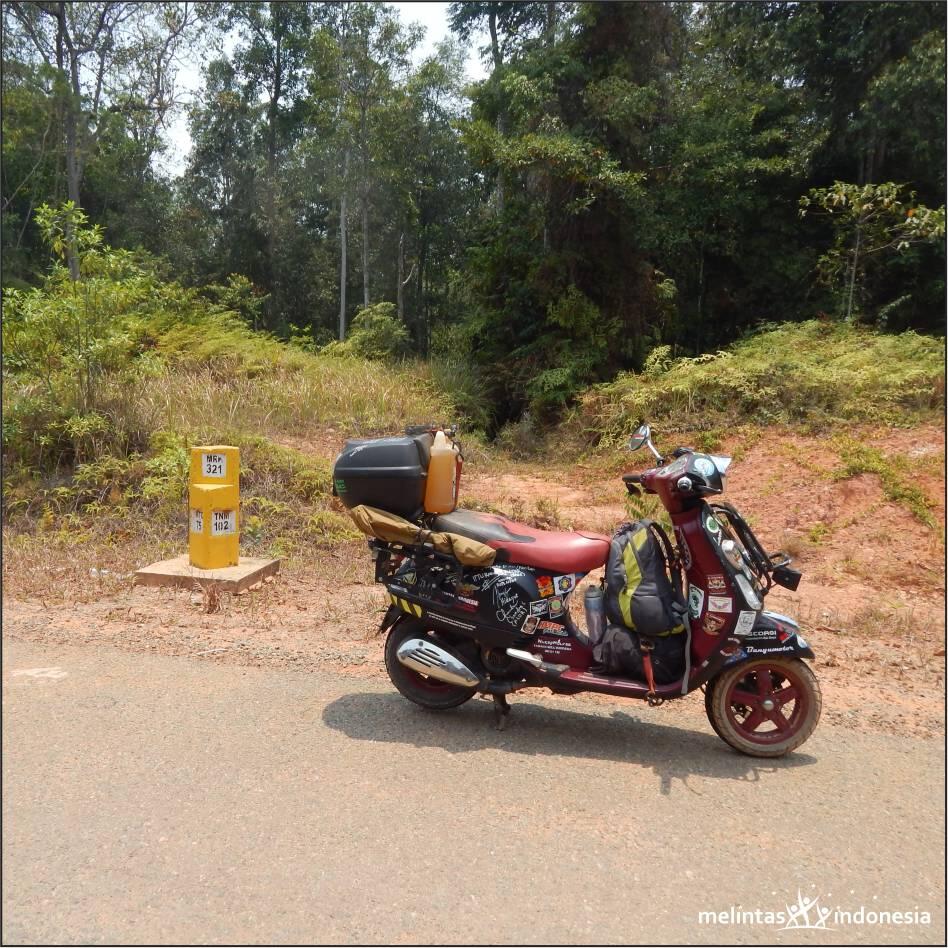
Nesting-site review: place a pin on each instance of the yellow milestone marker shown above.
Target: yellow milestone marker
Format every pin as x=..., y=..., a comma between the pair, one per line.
x=214, y=499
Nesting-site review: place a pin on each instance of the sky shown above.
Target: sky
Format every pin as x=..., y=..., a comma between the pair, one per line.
x=432, y=16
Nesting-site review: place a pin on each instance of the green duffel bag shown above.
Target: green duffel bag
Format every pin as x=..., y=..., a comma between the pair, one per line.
x=639, y=590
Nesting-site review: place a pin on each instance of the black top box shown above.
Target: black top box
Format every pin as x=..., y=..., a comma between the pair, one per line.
x=388, y=473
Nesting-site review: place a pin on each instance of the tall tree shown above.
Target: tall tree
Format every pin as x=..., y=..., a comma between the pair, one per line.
x=562, y=288
x=360, y=58
x=507, y=23
x=102, y=58
x=270, y=59
x=219, y=188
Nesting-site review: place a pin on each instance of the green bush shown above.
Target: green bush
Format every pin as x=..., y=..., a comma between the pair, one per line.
x=376, y=333
x=454, y=370
x=812, y=372
x=580, y=344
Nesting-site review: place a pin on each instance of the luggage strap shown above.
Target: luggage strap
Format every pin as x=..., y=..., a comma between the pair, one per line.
x=645, y=647
x=672, y=559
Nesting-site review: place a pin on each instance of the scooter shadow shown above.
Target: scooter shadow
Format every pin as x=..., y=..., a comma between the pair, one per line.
x=672, y=751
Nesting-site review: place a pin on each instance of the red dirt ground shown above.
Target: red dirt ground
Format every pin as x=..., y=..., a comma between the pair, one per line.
x=872, y=600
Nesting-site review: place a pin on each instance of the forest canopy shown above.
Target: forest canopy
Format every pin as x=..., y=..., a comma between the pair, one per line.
x=627, y=176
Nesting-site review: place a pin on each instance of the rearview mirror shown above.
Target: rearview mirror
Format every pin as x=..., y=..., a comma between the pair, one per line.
x=641, y=436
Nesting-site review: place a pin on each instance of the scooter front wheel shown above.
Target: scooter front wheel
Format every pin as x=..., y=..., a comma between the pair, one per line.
x=766, y=707
x=421, y=689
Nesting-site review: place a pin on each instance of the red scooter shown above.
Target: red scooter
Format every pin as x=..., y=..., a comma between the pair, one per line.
x=456, y=631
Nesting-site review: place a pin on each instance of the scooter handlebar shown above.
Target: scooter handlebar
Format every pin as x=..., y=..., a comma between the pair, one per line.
x=632, y=482
x=635, y=483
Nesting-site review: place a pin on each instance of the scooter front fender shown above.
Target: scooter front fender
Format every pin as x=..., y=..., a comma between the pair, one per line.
x=773, y=634
x=794, y=647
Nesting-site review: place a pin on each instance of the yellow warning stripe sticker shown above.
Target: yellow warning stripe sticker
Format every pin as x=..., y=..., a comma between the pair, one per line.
x=405, y=605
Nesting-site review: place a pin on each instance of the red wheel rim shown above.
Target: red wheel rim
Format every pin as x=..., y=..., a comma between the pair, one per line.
x=768, y=704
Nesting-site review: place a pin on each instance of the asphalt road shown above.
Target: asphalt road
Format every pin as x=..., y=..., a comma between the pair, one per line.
x=153, y=800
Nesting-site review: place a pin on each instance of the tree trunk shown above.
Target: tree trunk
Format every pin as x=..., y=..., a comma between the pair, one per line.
x=366, y=187
x=365, y=250
x=400, y=288
x=273, y=112
x=700, y=320
x=852, y=275
x=70, y=120
x=501, y=186
x=549, y=32
x=343, y=275
x=422, y=264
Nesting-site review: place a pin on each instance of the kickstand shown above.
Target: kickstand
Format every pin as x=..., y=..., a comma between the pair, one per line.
x=501, y=711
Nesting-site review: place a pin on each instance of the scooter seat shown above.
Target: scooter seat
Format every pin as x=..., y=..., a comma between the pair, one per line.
x=558, y=551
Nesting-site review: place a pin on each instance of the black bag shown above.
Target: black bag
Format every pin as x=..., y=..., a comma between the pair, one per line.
x=618, y=653
x=642, y=601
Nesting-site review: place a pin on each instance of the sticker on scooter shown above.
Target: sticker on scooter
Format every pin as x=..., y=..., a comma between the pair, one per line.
x=713, y=624
x=745, y=622
x=554, y=646
x=529, y=625
x=771, y=634
x=720, y=604
x=564, y=584
x=539, y=606
x=712, y=524
x=717, y=583
x=509, y=607
x=553, y=627
x=498, y=576
x=695, y=601
x=545, y=585
x=705, y=466
x=556, y=607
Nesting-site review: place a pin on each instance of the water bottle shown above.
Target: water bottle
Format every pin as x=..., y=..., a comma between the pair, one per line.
x=595, y=606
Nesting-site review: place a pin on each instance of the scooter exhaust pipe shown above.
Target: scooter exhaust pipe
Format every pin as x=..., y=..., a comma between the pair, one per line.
x=435, y=661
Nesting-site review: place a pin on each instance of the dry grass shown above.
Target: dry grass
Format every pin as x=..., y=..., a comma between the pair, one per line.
x=793, y=545
x=355, y=396
x=546, y=515
x=908, y=625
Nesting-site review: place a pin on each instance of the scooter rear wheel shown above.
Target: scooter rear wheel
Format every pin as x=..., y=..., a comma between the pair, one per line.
x=764, y=708
x=422, y=690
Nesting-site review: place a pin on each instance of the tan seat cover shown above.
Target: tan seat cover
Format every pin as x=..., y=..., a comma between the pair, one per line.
x=394, y=529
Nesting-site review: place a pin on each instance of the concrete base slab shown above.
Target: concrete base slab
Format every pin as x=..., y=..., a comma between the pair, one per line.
x=250, y=571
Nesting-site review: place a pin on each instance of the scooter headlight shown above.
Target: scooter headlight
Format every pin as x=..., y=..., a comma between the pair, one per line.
x=733, y=553
x=748, y=591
